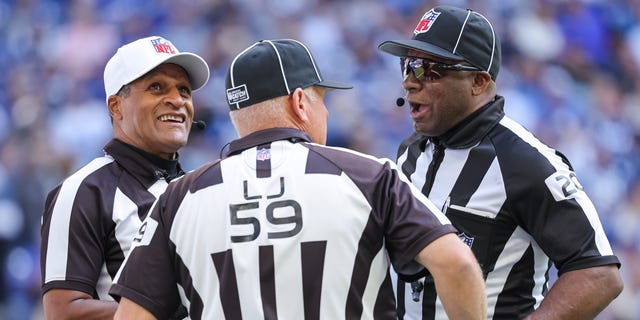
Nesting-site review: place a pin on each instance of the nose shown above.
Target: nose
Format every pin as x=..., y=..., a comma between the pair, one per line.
x=175, y=98
x=410, y=83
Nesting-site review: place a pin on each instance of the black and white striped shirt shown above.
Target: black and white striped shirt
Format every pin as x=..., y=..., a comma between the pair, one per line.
x=515, y=201
x=90, y=219
x=281, y=228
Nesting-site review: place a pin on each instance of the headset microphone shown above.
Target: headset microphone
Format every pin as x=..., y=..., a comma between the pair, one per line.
x=400, y=102
x=201, y=125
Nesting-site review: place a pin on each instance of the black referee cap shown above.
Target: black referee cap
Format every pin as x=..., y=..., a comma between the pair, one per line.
x=453, y=33
x=270, y=69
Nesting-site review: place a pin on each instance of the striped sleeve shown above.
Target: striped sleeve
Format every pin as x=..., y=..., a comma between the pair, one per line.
x=71, y=251
x=552, y=205
x=409, y=220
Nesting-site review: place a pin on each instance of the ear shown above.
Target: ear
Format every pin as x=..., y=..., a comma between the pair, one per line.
x=299, y=105
x=114, y=105
x=480, y=83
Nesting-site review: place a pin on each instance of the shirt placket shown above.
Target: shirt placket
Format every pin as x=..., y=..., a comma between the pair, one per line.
x=438, y=155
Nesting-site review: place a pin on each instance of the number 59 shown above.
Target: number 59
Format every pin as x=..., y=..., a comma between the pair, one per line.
x=295, y=219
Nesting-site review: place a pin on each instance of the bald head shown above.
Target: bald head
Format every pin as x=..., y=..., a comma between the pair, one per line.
x=303, y=109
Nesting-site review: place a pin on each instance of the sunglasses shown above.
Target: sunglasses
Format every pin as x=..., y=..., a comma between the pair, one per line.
x=424, y=69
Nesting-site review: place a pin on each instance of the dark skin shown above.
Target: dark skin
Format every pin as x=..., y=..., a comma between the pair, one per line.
x=580, y=294
x=157, y=112
x=153, y=113
x=436, y=106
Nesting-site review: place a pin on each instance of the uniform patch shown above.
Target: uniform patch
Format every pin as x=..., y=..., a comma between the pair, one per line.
x=426, y=22
x=466, y=239
x=263, y=155
x=145, y=233
x=563, y=185
x=163, y=46
x=237, y=94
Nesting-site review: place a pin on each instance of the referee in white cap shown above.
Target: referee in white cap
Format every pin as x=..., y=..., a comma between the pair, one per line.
x=90, y=218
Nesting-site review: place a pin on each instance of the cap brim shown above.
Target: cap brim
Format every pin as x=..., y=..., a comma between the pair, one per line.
x=194, y=65
x=334, y=84
x=401, y=48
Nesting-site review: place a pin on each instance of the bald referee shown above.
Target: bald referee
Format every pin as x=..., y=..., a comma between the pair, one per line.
x=284, y=227
x=91, y=217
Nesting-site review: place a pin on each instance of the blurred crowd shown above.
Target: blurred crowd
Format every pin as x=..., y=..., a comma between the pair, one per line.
x=570, y=73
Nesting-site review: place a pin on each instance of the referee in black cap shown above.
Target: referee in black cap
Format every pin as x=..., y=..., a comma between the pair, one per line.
x=516, y=202
x=284, y=227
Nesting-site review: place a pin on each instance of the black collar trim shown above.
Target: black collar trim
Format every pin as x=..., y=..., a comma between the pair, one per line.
x=268, y=135
x=145, y=167
x=471, y=130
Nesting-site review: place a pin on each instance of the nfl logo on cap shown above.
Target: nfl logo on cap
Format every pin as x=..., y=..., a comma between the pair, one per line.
x=135, y=59
x=426, y=22
x=453, y=34
x=163, y=46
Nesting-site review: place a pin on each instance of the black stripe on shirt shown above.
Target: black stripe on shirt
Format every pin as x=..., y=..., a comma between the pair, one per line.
x=318, y=164
x=385, y=302
x=268, y=282
x=211, y=175
x=370, y=244
x=312, y=255
x=184, y=278
x=473, y=171
x=229, y=295
x=414, y=152
x=519, y=284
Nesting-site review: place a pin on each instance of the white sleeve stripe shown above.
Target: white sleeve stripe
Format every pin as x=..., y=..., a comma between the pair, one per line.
x=585, y=203
x=58, y=242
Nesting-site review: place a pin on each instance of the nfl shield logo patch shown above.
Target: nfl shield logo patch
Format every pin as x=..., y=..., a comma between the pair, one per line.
x=163, y=46
x=263, y=155
x=426, y=22
x=466, y=239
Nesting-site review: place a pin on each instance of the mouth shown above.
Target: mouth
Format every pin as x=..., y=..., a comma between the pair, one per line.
x=417, y=108
x=172, y=118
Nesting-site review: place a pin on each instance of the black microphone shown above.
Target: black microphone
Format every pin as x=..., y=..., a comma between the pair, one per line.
x=201, y=125
x=400, y=102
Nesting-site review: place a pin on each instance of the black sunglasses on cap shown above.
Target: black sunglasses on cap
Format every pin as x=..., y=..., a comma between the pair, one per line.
x=424, y=69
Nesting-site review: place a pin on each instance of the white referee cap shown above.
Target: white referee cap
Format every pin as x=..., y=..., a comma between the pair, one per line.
x=135, y=59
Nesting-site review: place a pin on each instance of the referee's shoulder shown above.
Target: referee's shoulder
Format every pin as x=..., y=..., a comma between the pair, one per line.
x=206, y=175
x=339, y=153
x=520, y=152
x=94, y=177
x=92, y=172
x=352, y=161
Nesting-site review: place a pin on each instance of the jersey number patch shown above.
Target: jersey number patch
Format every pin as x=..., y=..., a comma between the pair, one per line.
x=563, y=185
x=279, y=214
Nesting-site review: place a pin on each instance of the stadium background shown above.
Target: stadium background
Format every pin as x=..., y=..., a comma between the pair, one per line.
x=570, y=73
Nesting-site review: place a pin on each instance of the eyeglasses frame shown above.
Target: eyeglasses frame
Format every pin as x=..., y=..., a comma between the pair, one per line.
x=404, y=65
